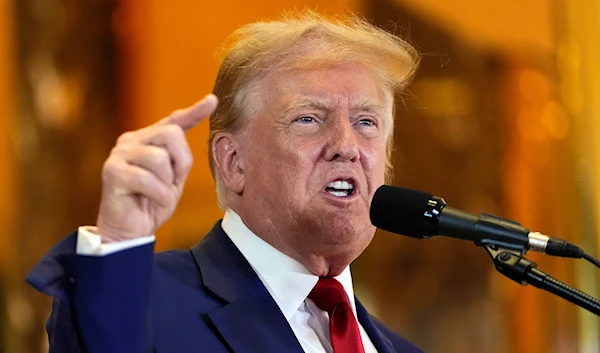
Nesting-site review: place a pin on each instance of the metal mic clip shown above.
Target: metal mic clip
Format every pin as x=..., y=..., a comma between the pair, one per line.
x=431, y=217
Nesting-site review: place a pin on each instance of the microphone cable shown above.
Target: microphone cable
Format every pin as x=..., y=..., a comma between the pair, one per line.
x=559, y=247
x=591, y=259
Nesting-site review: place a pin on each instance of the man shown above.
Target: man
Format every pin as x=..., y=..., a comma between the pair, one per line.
x=299, y=142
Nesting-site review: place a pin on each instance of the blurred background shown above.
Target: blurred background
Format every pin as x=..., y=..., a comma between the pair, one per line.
x=503, y=117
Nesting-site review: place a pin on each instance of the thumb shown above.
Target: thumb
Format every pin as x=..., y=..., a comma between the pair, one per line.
x=191, y=116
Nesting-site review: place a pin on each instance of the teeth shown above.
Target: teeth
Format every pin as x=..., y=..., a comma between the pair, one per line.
x=339, y=193
x=340, y=188
x=340, y=185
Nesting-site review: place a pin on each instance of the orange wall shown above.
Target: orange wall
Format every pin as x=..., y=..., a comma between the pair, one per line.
x=169, y=63
x=7, y=199
x=506, y=25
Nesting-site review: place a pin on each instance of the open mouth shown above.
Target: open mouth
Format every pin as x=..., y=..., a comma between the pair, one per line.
x=341, y=188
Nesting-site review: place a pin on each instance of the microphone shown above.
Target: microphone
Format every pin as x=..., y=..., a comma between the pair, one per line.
x=421, y=215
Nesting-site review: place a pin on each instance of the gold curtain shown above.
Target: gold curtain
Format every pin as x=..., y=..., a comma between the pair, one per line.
x=578, y=62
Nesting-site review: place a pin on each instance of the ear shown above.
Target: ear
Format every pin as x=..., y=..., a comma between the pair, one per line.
x=228, y=161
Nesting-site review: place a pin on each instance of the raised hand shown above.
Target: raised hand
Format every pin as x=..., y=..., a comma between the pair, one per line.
x=143, y=178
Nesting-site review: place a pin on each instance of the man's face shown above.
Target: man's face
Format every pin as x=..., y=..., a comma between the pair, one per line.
x=314, y=155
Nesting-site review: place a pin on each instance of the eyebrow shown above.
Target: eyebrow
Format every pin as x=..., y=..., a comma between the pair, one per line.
x=364, y=104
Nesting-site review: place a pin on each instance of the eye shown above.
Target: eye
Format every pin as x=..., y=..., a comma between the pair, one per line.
x=306, y=119
x=366, y=122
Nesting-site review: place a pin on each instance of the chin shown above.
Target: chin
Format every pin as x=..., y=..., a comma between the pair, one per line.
x=340, y=230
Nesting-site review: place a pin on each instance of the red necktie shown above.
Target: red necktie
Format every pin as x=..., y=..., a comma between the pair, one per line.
x=329, y=295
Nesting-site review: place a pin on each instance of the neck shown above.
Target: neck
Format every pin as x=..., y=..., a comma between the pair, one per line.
x=323, y=260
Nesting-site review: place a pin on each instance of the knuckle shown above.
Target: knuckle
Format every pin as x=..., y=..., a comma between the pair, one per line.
x=177, y=112
x=120, y=149
x=111, y=169
x=160, y=155
x=140, y=181
x=173, y=131
x=187, y=161
x=125, y=137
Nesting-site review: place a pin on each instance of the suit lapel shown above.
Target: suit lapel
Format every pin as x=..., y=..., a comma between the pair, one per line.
x=382, y=343
x=250, y=321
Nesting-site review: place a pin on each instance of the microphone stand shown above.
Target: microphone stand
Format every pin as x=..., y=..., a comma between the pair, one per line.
x=523, y=271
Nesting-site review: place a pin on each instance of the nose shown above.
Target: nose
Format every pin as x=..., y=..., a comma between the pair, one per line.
x=342, y=141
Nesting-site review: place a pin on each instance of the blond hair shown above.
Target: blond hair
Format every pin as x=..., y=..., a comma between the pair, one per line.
x=300, y=40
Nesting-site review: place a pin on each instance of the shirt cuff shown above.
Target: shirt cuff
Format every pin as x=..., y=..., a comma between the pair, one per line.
x=90, y=243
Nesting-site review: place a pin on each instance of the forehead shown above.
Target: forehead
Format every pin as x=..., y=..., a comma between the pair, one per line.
x=325, y=86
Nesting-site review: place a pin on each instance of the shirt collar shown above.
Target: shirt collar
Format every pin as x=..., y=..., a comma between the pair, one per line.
x=286, y=279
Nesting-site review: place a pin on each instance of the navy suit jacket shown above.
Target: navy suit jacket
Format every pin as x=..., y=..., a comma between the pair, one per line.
x=206, y=299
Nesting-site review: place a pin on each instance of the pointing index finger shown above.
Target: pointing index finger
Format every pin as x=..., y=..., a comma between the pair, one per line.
x=191, y=116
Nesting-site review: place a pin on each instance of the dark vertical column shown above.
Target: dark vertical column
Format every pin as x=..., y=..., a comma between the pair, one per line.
x=64, y=128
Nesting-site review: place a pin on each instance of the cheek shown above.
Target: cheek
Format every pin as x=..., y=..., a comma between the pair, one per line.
x=374, y=157
x=284, y=160
x=296, y=165
x=299, y=151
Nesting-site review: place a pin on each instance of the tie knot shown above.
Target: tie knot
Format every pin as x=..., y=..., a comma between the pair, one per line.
x=328, y=293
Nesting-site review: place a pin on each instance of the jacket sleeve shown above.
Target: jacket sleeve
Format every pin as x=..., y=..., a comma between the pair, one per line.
x=62, y=335
x=101, y=304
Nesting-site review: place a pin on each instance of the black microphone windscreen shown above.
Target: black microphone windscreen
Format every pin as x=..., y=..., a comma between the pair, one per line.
x=399, y=210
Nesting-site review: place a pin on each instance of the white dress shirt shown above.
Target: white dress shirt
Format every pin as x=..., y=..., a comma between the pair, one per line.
x=287, y=280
